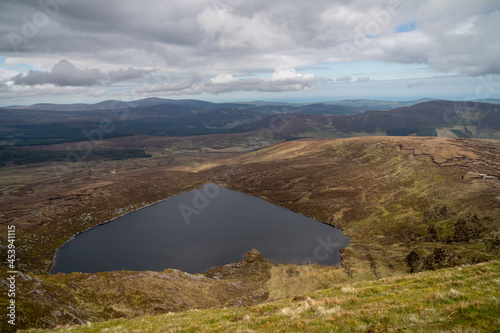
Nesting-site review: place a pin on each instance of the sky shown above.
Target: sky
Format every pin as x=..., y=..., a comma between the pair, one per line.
x=76, y=51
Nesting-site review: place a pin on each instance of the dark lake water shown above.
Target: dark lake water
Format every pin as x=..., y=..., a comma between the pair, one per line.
x=200, y=229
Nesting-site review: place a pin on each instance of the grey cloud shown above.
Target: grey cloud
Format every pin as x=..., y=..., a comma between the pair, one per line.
x=62, y=74
x=193, y=34
x=345, y=78
x=281, y=80
x=363, y=79
x=127, y=74
x=415, y=84
x=65, y=74
x=45, y=90
x=170, y=88
x=262, y=85
x=172, y=22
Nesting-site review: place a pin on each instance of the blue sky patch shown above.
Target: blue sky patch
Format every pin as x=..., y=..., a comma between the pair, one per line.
x=406, y=27
x=25, y=66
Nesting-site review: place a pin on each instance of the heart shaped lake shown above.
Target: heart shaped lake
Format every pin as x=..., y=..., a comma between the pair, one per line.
x=200, y=229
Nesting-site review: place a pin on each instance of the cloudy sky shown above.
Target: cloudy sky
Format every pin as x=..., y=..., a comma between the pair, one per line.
x=279, y=50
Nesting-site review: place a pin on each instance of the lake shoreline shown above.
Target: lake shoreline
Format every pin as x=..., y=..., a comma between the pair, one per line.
x=265, y=238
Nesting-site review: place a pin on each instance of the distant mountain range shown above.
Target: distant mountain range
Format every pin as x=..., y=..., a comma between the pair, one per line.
x=42, y=124
x=434, y=118
x=360, y=104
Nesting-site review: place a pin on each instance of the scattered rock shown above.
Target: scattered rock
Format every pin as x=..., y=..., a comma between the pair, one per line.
x=442, y=257
x=415, y=260
x=253, y=256
x=292, y=272
x=299, y=298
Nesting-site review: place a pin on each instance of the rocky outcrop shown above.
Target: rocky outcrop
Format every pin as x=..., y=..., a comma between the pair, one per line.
x=253, y=256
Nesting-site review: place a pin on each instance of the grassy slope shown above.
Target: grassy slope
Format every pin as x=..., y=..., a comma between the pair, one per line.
x=455, y=300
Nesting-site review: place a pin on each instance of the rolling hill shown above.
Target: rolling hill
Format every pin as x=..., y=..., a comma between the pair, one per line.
x=434, y=118
x=43, y=124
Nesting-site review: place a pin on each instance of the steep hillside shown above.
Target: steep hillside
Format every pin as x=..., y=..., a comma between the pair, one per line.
x=448, y=300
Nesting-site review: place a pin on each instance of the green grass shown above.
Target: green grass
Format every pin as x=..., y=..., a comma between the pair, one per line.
x=460, y=134
x=410, y=131
x=451, y=300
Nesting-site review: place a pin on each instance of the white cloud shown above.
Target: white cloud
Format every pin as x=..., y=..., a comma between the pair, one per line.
x=222, y=79
x=283, y=74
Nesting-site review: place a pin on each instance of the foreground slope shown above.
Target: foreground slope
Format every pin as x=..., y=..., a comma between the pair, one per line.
x=457, y=300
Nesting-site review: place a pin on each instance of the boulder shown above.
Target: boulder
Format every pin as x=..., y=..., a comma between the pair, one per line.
x=253, y=256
